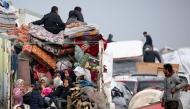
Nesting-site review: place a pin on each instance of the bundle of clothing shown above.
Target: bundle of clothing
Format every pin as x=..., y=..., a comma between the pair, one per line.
x=7, y=16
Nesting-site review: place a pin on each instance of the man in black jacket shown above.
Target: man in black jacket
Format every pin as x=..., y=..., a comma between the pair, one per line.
x=148, y=39
x=52, y=21
x=150, y=55
x=110, y=37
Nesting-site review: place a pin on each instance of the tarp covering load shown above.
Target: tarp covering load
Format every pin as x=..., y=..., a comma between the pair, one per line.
x=181, y=57
x=145, y=97
x=7, y=16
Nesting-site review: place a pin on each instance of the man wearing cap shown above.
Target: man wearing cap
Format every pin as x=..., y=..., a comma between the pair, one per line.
x=52, y=21
x=150, y=55
x=172, y=86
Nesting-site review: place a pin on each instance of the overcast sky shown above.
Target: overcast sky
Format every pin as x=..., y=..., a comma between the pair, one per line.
x=167, y=21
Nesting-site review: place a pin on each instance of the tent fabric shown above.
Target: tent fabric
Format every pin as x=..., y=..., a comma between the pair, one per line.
x=181, y=57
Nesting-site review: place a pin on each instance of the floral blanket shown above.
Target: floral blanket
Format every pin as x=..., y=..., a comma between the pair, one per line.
x=52, y=48
x=41, y=33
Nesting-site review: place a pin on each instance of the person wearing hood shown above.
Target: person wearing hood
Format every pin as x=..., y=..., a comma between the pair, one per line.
x=18, y=92
x=150, y=55
x=36, y=100
x=110, y=37
x=67, y=83
x=58, y=84
x=52, y=21
x=76, y=16
x=172, y=86
x=45, y=86
x=70, y=73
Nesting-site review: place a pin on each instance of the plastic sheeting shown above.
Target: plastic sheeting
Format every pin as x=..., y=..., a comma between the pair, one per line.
x=123, y=49
x=143, y=98
x=181, y=57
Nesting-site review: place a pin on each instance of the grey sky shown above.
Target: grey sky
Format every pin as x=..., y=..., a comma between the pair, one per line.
x=167, y=21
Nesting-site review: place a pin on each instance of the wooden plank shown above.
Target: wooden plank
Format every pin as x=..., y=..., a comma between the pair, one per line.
x=153, y=68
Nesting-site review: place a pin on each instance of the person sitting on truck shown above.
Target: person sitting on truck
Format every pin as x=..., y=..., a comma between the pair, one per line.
x=67, y=83
x=52, y=21
x=70, y=73
x=36, y=99
x=18, y=92
x=150, y=55
x=110, y=37
x=58, y=84
x=76, y=17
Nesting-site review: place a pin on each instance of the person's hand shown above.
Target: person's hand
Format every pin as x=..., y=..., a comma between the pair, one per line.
x=42, y=86
x=25, y=90
x=42, y=95
x=163, y=104
x=173, y=90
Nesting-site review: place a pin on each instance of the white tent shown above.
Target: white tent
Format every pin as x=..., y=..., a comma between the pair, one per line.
x=181, y=57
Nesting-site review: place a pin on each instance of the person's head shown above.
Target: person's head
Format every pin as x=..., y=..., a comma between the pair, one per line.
x=57, y=82
x=20, y=83
x=69, y=72
x=145, y=34
x=110, y=36
x=67, y=82
x=54, y=9
x=77, y=8
x=147, y=48
x=37, y=87
x=60, y=74
x=167, y=69
x=44, y=81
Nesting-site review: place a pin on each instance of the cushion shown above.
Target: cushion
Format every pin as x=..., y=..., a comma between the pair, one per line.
x=70, y=31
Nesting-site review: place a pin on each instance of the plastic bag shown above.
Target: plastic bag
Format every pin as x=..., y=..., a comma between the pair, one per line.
x=79, y=71
x=62, y=65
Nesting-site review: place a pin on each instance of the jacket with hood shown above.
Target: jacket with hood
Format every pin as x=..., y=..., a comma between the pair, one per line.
x=71, y=74
x=36, y=101
x=58, y=83
x=65, y=91
x=75, y=17
x=172, y=81
x=51, y=22
x=150, y=56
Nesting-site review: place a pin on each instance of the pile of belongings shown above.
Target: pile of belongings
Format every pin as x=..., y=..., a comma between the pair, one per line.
x=7, y=16
x=85, y=97
x=38, y=53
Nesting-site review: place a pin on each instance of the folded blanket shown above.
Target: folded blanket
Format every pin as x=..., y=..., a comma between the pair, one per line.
x=87, y=33
x=92, y=38
x=44, y=58
x=41, y=33
x=70, y=31
x=8, y=16
x=10, y=10
x=7, y=25
x=22, y=33
x=7, y=21
x=52, y=48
